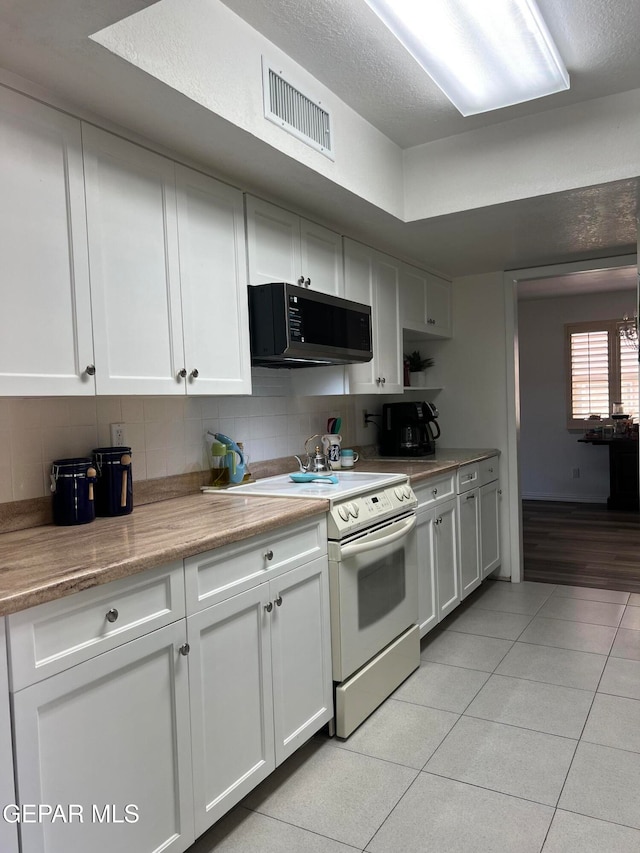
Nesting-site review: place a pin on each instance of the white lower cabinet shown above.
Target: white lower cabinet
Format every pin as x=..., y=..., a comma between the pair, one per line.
x=111, y=738
x=260, y=682
x=490, y=557
x=437, y=553
x=469, y=535
x=8, y=829
x=446, y=551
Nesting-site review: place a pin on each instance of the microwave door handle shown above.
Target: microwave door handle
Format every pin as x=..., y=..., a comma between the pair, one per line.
x=361, y=547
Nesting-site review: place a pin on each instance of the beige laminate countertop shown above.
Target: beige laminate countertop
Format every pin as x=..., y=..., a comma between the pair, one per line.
x=45, y=563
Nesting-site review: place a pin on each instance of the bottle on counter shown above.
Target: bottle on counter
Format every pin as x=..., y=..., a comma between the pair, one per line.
x=247, y=473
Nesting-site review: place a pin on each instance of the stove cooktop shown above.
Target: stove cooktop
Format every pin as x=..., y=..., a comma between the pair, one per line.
x=349, y=483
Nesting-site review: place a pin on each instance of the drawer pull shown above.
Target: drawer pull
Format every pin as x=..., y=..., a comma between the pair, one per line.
x=491, y=470
x=112, y=615
x=435, y=492
x=268, y=555
x=185, y=649
x=279, y=601
x=90, y=370
x=499, y=491
x=268, y=607
x=470, y=498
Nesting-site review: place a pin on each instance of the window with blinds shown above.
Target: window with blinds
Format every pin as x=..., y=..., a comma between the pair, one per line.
x=601, y=369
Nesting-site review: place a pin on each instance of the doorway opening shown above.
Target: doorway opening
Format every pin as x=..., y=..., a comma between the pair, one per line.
x=567, y=533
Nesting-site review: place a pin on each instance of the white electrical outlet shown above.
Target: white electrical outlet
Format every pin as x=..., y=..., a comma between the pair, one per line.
x=117, y=435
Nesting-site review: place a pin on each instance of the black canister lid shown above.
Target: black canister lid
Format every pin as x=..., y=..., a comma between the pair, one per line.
x=73, y=467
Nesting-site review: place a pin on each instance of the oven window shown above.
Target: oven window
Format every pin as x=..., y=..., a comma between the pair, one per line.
x=381, y=588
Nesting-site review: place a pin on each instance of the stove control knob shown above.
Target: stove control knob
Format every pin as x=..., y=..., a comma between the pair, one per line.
x=406, y=491
x=343, y=512
x=399, y=493
x=354, y=509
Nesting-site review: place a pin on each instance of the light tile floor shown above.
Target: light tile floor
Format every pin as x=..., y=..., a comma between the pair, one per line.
x=519, y=733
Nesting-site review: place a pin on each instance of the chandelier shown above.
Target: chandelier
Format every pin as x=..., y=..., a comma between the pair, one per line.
x=628, y=327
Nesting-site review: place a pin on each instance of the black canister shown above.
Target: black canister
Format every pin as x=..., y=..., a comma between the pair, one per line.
x=114, y=487
x=72, y=486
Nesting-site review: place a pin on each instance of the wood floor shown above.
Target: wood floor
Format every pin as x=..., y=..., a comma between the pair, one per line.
x=581, y=544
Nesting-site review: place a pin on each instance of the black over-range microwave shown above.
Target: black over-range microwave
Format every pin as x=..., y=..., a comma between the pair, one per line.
x=291, y=326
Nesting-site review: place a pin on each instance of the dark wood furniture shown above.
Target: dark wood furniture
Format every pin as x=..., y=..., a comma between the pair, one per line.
x=623, y=471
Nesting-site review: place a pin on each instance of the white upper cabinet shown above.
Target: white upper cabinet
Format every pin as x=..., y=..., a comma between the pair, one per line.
x=133, y=258
x=213, y=284
x=168, y=282
x=374, y=278
x=46, y=343
x=425, y=303
x=283, y=247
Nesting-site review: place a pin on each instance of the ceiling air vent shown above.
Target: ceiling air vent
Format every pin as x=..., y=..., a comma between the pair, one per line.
x=296, y=113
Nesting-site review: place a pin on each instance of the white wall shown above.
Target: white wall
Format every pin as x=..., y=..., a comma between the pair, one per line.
x=577, y=146
x=472, y=368
x=548, y=450
x=211, y=55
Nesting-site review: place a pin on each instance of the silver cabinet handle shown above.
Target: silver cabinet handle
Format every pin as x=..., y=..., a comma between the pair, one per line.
x=435, y=491
x=491, y=470
x=438, y=520
x=268, y=555
x=470, y=498
x=185, y=649
x=279, y=601
x=268, y=607
x=384, y=379
x=307, y=282
x=112, y=615
x=181, y=374
x=301, y=280
x=90, y=370
x=499, y=491
x=194, y=373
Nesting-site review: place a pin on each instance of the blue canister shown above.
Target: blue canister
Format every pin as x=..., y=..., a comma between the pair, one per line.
x=114, y=487
x=72, y=487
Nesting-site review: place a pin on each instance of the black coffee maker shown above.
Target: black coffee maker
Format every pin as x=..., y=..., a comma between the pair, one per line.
x=408, y=429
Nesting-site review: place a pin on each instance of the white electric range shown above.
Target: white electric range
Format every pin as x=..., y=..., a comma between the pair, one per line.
x=373, y=583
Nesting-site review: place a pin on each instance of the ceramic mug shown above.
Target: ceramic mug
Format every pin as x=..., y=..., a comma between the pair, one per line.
x=348, y=458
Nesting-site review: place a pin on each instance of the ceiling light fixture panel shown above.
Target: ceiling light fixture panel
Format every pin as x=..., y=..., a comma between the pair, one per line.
x=483, y=54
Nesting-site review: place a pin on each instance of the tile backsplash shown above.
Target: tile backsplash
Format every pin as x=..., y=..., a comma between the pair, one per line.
x=166, y=434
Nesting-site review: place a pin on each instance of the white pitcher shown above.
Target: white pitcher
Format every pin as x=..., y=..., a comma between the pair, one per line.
x=331, y=444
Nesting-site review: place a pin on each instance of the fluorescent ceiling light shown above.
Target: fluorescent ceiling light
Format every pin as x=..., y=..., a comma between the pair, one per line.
x=483, y=54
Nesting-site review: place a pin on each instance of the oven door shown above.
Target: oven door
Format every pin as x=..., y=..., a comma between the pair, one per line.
x=374, y=592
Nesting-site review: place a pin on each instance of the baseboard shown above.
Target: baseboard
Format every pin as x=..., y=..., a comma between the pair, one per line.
x=580, y=499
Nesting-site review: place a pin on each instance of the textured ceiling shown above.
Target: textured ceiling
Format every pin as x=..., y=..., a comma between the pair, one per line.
x=346, y=46
x=343, y=44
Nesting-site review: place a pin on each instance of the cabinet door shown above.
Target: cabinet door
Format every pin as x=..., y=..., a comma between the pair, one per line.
x=301, y=655
x=469, y=535
x=321, y=258
x=8, y=831
x=438, y=297
x=231, y=702
x=106, y=734
x=273, y=243
x=413, y=307
x=446, y=548
x=426, y=559
x=213, y=284
x=133, y=259
x=387, y=342
x=489, y=528
x=359, y=285
x=45, y=323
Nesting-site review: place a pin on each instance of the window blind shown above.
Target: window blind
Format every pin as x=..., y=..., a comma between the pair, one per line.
x=589, y=353
x=629, y=379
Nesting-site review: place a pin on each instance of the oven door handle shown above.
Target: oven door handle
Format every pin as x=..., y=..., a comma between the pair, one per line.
x=368, y=545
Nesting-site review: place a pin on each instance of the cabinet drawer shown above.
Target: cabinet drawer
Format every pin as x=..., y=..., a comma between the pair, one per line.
x=52, y=637
x=433, y=491
x=468, y=477
x=489, y=470
x=231, y=569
